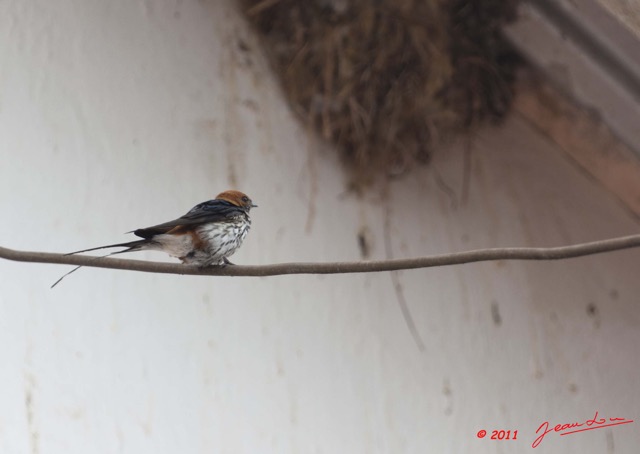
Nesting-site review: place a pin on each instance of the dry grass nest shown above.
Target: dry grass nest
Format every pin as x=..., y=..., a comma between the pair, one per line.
x=388, y=80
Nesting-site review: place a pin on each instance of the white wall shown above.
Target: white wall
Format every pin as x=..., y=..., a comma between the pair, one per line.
x=117, y=115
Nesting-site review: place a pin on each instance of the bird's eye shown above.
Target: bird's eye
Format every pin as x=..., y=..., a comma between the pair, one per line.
x=245, y=199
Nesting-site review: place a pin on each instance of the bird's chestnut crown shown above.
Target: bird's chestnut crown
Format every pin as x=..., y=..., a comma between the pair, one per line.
x=237, y=198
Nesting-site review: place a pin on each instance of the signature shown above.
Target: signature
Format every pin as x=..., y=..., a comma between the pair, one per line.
x=590, y=424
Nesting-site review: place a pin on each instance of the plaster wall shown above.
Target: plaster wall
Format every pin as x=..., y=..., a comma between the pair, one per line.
x=122, y=114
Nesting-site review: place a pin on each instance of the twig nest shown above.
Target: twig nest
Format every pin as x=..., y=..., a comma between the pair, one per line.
x=387, y=80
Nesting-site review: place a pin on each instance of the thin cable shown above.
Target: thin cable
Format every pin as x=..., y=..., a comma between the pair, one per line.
x=456, y=258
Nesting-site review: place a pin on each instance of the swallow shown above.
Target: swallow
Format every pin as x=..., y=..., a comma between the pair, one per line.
x=206, y=235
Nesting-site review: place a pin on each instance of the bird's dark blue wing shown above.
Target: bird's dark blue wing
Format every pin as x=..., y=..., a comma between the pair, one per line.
x=203, y=213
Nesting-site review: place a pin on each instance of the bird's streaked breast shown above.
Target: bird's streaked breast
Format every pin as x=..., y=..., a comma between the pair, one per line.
x=223, y=238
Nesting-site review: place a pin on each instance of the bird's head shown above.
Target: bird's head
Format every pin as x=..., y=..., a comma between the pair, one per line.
x=237, y=198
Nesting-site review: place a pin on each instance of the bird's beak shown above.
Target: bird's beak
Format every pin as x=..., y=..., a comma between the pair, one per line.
x=253, y=205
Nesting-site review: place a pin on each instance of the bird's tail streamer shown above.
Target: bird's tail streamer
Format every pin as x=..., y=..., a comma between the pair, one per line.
x=80, y=266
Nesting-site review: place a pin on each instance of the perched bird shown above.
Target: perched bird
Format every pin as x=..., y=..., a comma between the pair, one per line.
x=209, y=233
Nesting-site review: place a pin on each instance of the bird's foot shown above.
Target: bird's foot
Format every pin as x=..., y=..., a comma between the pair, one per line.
x=221, y=264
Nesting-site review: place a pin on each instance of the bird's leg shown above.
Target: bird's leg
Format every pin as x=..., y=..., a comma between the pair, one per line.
x=225, y=262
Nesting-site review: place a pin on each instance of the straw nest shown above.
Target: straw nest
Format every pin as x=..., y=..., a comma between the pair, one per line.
x=386, y=81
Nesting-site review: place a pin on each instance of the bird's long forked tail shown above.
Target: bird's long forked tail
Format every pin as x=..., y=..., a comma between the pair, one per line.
x=130, y=246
